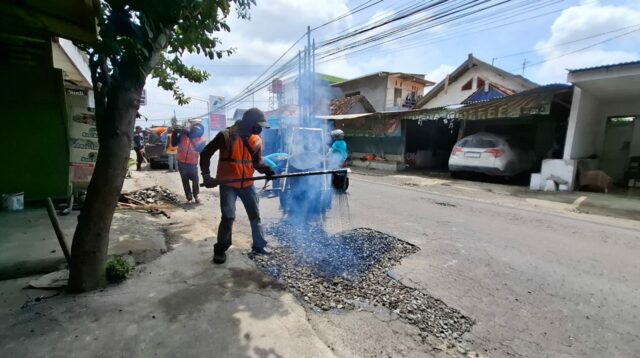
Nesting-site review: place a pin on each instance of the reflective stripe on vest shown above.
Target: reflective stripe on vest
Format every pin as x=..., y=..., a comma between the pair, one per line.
x=236, y=162
x=187, y=152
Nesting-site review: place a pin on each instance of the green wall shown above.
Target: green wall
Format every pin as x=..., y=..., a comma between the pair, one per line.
x=34, y=158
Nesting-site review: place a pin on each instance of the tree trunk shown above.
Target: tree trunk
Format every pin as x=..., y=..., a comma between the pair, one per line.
x=91, y=239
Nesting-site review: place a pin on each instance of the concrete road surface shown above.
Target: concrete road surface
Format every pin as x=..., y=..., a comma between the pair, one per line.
x=538, y=284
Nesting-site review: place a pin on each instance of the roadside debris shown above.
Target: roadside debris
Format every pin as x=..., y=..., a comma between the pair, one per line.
x=35, y=300
x=154, y=200
x=53, y=280
x=152, y=195
x=444, y=203
x=349, y=271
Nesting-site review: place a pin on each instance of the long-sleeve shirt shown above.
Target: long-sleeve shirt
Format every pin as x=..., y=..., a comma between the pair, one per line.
x=219, y=142
x=138, y=140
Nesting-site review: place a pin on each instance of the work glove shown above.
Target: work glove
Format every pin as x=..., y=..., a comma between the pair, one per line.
x=209, y=182
x=269, y=173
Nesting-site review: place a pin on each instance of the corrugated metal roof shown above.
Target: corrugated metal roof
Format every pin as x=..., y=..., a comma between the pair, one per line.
x=621, y=64
x=481, y=95
x=339, y=117
x=343, y=105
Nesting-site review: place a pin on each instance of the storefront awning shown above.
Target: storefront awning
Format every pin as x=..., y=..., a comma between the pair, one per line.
x=536, y=101
x=532, y=102
x=339, y=117
x=71, y=19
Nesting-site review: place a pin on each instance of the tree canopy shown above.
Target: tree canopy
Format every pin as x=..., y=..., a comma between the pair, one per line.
x=141, y=37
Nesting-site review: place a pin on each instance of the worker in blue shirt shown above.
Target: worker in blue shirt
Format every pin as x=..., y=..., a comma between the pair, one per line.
x=337, y=157
x=338, y=152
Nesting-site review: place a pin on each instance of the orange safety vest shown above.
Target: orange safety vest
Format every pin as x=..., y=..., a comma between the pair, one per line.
x=171, y=149
x=187, y=152
x=236, y=162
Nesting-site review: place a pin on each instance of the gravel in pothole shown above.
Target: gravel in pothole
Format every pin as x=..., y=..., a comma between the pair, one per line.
x=349, y=270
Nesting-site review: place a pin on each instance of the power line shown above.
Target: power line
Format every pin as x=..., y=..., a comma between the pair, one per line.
x=249, y=89
x=437, y=19
x=583, y=48
x=568, y=42
x=452, y=35
x=413, y=20
x=355, y=10
x=405, y=13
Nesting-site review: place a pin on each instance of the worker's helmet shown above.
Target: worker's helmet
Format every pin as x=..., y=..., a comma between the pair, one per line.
x=197, y=130
x=337, y=134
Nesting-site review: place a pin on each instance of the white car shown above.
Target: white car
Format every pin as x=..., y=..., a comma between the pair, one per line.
x=490, y=154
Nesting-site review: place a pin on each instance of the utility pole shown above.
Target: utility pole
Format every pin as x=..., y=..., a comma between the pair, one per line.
x=524, y=65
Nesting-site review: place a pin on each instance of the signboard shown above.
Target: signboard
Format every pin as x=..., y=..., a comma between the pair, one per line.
x=83, y=146
x=371, y=127
x=217, y=116
x=514, y=106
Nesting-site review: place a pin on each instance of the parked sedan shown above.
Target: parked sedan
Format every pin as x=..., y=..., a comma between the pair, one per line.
x=490, y=154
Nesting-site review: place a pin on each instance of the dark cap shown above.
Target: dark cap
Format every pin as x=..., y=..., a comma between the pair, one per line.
x=255, y=116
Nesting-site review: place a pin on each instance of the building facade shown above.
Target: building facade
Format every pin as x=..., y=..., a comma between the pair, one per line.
x=603, y=134
x=386, y=91
x=474, y=81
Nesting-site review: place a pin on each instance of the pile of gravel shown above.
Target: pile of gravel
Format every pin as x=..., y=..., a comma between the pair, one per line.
x=349, y=271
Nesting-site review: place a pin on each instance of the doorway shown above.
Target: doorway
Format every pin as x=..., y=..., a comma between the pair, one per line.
x=617, y=146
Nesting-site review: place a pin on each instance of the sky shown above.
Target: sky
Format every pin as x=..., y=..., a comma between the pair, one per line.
x=547, y=36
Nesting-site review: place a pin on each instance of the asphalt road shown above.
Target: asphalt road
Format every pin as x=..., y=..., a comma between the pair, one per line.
x=537, y=284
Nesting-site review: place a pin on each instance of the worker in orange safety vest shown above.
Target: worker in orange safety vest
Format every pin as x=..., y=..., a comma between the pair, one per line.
x=240, y=149
x=190, y=143
x=171, y=152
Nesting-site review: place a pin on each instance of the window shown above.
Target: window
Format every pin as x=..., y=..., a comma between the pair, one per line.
x=480, y=143
x=467, y=86
x=351, y=94
x=481, y=83
x=484, y=143
x=397, y=93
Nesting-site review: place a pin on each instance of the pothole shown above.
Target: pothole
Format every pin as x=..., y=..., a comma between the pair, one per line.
x=348, y=271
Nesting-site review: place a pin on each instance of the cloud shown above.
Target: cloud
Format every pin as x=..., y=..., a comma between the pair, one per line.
x=586, y=20
x=440, y=73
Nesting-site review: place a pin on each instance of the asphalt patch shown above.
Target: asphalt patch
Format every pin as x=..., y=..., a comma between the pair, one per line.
x=349, y=271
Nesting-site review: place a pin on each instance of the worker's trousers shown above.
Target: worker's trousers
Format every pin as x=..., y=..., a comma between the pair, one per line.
x=249, y=198
x=189, y=175
x=172, y=162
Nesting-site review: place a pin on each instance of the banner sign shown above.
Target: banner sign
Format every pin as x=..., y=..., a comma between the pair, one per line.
x=217, y=115
x=370, y=127
x=83, y=146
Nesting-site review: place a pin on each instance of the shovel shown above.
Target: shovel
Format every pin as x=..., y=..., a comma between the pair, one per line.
x=288, y=175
